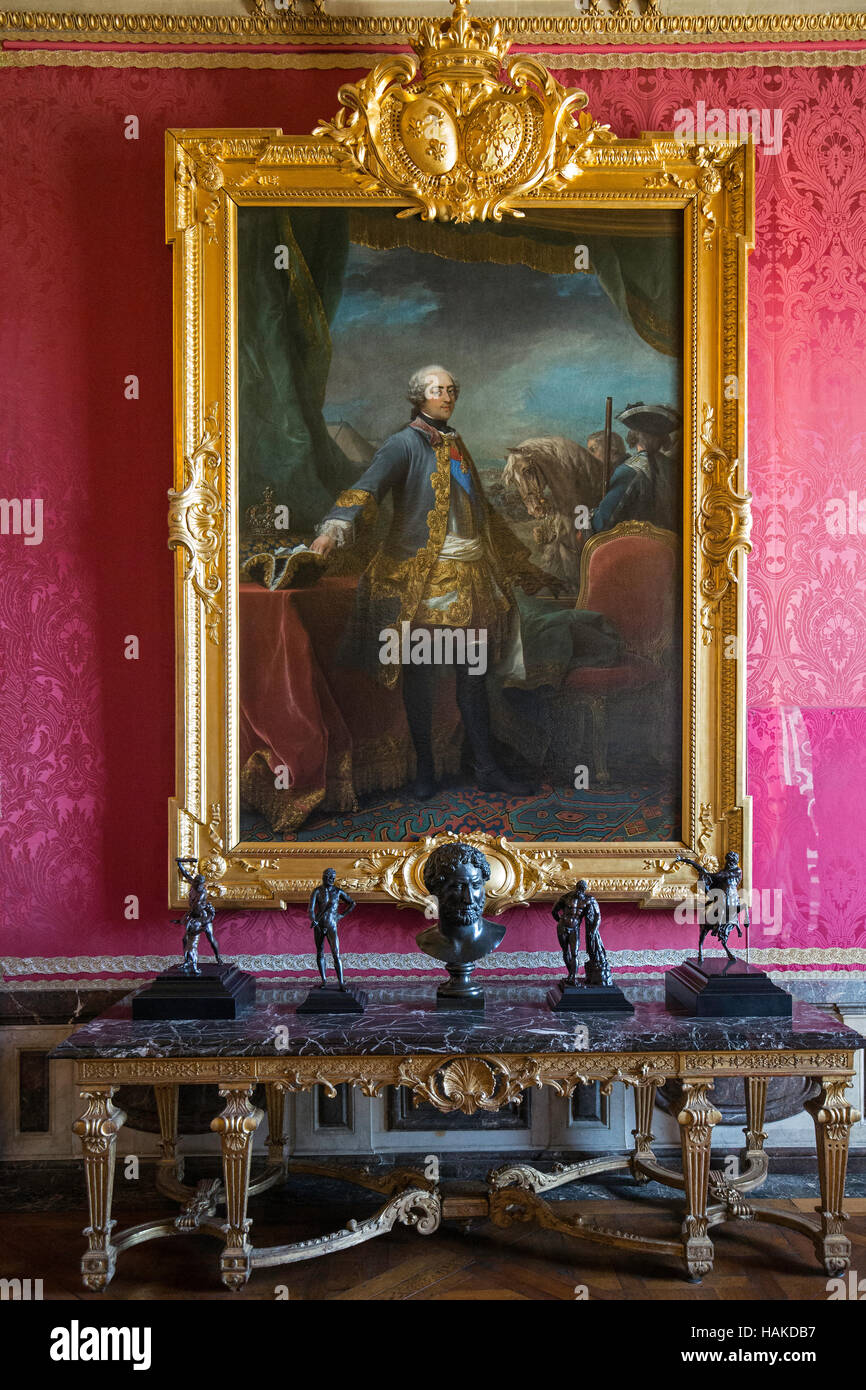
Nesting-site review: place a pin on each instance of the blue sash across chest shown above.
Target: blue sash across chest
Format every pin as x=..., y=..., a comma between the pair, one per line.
x=459, y=470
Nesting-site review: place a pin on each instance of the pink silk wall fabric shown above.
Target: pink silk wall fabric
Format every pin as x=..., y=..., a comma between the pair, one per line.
x=86, y=736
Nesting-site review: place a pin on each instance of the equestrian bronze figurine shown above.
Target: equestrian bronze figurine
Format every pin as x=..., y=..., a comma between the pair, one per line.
x=722, y=906
x=722, y=988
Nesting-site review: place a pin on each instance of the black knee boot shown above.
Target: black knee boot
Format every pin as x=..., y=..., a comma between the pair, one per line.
x=475, y=712
x=419, y=689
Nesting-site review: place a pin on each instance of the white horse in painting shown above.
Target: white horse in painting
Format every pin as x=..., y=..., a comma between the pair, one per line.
x=554, y=476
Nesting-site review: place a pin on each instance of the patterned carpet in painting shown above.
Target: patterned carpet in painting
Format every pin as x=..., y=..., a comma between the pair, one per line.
x=643, y=810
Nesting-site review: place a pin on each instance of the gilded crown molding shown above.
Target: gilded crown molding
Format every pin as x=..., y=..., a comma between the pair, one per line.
x=40, y=56
x=631, y=21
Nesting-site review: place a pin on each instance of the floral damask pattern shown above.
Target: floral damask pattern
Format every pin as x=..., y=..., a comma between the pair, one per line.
x=807, y=329
x=49, y=712
x=86, y=737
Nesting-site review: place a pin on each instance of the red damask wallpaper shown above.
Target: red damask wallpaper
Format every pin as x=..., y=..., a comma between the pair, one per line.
x=86, y=736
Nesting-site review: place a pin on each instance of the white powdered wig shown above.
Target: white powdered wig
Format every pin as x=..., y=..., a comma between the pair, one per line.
x=418, y=391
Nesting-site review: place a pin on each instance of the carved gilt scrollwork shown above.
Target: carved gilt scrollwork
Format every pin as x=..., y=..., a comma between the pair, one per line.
x=519, y=873
x=717, y=168
x=214, y=865
x=469, y=135
x=469, y=1084
x=198, y=171
x=99, y=1125
x=735, y=1203
x=196, y=521
x=398, y=871
x=708, y=825
x=832, y=1111
x=724, y=523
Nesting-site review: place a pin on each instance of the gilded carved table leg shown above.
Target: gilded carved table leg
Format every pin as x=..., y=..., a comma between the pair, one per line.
x=756, y=1100
x=166, y=1109
x=169, y=1171
x=696, y=1120
x=644, y=1102
x=236, y=1127
x=754, y=1161
x=833, y=1117
x=97, y=1129
x=276, y=1102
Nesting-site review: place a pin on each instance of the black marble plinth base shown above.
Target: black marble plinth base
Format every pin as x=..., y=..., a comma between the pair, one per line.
x=724, y=989
x=471, y=999
x=588, y=999
x=220, y=991
x=330, y=999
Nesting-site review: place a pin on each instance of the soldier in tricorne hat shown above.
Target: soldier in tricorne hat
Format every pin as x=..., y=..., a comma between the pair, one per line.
x=644, y=487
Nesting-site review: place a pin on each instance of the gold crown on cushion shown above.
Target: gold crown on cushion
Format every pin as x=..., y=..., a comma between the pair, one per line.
x=261, y=521
x=461, y=41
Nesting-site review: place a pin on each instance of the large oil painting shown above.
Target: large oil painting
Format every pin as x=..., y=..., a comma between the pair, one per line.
x=460, y=516
x=460, y=507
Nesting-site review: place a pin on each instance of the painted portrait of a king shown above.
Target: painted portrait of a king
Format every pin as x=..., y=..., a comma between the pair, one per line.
x=461, y=483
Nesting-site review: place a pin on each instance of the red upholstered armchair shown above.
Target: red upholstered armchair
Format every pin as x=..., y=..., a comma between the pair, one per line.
x=631, y=575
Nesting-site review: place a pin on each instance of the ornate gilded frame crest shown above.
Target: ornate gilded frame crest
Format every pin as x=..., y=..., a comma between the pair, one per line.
x=457, y=133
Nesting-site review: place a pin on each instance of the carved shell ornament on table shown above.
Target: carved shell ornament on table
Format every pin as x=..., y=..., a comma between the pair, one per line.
x=469, y=1083
x=459, y=132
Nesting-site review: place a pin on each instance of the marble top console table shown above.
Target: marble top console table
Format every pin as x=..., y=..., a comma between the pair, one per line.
x=467, y=1063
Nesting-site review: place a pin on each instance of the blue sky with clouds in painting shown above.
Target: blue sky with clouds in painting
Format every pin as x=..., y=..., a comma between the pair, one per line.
x=535, y=353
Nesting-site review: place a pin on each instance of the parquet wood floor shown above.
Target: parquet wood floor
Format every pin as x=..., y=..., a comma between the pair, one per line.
x=468, y=1261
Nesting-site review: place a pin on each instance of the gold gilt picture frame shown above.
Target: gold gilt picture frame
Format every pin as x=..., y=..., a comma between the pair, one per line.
x=473, y=169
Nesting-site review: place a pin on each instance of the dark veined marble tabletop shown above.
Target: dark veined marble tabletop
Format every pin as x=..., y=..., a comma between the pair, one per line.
x=403, y=1020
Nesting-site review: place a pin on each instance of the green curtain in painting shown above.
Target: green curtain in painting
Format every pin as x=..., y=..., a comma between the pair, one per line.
x=643, y=278
x=637, y=255
x=290, y=277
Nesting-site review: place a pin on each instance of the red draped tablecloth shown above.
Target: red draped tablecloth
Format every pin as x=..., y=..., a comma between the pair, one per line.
x=314, y=734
